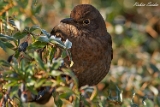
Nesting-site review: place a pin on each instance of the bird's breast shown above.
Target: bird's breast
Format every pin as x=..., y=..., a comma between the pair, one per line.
x=86, y=52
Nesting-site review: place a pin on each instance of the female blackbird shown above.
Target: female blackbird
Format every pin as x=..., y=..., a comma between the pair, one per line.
x=91, y=49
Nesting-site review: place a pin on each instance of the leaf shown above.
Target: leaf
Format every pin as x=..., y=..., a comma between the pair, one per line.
x=20, y=35
x=17, y=54
x=35, y=27
x=12, y=22
x=55, y=38
x=45, y=33
x=23, y=65
x=63, y=54
x=4, y=63
x=153, y=67
x=57, y=41
x=55, y=73
x=40, y=62
x=68, y=44
x=39, y=83
x=10, y=84
x=13, y=91
x=2, y=45
x=2, y=36
x=26, y=29
x=149, y=103
x=157, y=100
x=38, y=9
x=52, y=53
x=58, y=102
x=66, y=95
x=32, y=90
x=9, y=45
x=37, y=45
x=43, y=39
x=57, y=63
x=63, y=89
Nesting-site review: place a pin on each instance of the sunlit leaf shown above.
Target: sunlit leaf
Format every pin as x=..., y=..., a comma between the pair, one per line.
x=66, y=95
x=39, y=83
x=56, y=73
x=58, y=41
x=45, y=33
x=37, y=45
x=43, y=39
x=68, y=44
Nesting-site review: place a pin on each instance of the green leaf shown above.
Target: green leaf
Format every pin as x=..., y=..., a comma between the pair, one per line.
x=14, y=90
x=57, y=63
x=64, y=54
x=66, y=95
x=37, y=45
x=38, y=9
x=59, y=102
x=4, y=63
x=38, y=59
x=23, y=65
x=43, y=39
x=52, y=53
x=2, y=36
x=26, y=29
x=76, y=103
x=148, y=103
x=157, y=100
x=17, y=54
x=39, y=83
x=35, y=27
x=2, y=45
x=9, y=45
x=32, y=90
x=134, y=105
x=20, y=35
x=48, y=83
x=13, y=83
x=45, y=33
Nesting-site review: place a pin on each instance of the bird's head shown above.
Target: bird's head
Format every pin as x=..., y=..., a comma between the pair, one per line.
x=85, y=17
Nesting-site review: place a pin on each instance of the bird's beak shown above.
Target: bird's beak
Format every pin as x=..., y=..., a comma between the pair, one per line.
x=68, y=21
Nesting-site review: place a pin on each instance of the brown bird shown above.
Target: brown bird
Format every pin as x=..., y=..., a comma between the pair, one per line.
x=91, y=49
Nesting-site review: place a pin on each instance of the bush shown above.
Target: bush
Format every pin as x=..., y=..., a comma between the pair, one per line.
x=30, y=58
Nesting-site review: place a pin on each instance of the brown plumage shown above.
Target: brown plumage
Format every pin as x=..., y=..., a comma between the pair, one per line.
x=91, y=49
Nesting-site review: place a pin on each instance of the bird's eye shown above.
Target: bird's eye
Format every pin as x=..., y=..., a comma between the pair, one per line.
x=87, y=21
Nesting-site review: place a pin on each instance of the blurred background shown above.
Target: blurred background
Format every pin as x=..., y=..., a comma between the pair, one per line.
x=135, y=32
